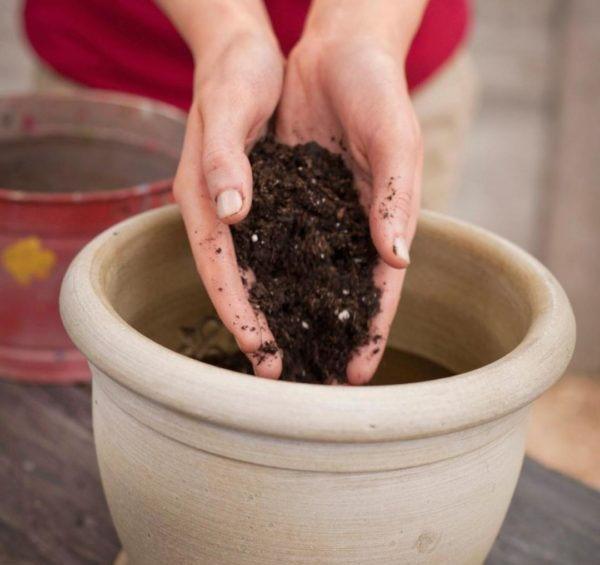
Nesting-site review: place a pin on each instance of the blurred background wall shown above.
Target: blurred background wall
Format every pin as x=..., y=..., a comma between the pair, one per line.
x=532, y=171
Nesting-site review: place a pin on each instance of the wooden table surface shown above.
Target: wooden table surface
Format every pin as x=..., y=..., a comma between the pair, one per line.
x=52, y=510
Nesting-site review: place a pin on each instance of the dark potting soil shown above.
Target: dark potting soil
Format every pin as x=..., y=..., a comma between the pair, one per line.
x=308, y=244
x=210, y=342
x=70, y=163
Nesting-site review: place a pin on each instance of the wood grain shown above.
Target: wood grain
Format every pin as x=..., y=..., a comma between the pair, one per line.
x=52, y=508
x=551, y=520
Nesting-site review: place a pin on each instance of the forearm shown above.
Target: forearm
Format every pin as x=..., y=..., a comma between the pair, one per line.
x=393, y=22
x=203, y=23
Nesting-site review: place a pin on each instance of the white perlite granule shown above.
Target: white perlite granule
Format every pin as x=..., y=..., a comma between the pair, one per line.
x=344, y=315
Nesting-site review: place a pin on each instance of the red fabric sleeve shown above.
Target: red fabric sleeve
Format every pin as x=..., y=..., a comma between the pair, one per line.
x=130, y=46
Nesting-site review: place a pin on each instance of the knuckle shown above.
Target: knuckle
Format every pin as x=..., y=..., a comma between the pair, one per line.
x=247, y=342
x=403, y=204
x=395, y=205
x=216, y=157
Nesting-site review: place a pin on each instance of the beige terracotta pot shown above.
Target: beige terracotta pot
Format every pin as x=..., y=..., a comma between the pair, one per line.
x=202, y=465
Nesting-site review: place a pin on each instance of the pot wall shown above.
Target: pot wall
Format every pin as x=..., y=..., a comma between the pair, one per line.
x=202, y=465
x=173, y=502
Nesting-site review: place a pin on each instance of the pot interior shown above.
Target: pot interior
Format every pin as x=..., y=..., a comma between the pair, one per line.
x=68, y=163
x=465, y=304
x=85, y=143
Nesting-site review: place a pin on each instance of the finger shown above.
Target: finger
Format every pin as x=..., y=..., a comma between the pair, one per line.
x=396, y=159
x=264, y=362
x=363, y=365
x=227, y=171
x=211, y=242
x=387, y=276
x=212, y=246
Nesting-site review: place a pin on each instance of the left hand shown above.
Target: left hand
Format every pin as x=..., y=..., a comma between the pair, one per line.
x=348, y=92
x=238, y=81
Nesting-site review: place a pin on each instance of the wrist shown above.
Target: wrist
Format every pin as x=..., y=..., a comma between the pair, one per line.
x=387, y=23
x=206, y=24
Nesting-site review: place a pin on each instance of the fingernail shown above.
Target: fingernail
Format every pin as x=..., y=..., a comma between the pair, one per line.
x=229, y=202
x=401, y=250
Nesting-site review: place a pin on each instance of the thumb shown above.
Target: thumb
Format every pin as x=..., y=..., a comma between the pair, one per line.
x=226, y=169
x=396, y=168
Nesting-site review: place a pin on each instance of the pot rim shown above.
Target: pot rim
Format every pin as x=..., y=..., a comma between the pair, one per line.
x=315, y=412
x=93, y=96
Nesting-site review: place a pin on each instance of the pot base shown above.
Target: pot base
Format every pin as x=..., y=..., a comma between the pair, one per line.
x=43, y=366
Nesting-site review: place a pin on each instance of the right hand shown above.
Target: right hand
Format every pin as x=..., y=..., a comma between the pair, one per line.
x=345, y=81
x=237, y=86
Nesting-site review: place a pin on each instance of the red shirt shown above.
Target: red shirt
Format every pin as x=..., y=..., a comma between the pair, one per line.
x=129, y=45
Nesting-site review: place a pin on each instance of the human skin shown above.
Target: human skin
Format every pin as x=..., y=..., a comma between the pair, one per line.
x=344, y=87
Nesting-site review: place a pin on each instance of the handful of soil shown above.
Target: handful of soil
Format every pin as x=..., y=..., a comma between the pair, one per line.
x=307, y=241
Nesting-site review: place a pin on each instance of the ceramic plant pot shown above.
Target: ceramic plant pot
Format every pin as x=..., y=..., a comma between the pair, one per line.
x=71, y=165
x=203, y=465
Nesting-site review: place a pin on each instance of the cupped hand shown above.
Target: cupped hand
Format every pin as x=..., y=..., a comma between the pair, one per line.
x=350, y=95
x=237, y=88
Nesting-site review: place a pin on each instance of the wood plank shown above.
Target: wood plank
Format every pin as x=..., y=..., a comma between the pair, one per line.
x=572, y=228
x=52, y=508
x=552, y=520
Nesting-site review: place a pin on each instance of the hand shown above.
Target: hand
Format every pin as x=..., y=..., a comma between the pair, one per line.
x=347, y=85
x=238, y=83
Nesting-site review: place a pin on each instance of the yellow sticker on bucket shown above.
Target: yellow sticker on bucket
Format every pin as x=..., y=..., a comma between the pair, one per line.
x=26, y=259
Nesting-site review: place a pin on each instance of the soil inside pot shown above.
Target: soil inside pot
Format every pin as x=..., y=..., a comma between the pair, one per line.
x=307, y=241
x=65, y=163
x=211, y=343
